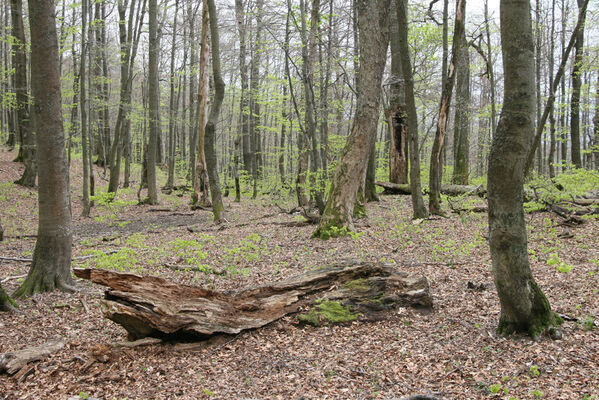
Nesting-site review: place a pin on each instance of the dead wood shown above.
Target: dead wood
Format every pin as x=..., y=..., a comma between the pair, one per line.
x=74, y=258
x=13, y=361
x=151, y=306
x=449, y=190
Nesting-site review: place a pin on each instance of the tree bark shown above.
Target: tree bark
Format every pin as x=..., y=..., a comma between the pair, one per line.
x=23, y=126
x=201, y=188
x=219, y=94
x=6, y=303
x=373, y=22
x=524, y=307
x=83, y=93
x=576, y=85
x=434, y=204
x=151, y=306
x=51, y=266
x=154, y=100
x=419, y=209
x=396, y=113
x=461, y=136
x=170, y=182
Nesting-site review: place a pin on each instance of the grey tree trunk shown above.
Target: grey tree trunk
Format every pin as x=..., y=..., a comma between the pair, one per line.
x=219, y=94
x=461, y=137
x=19, y=63
x=171, y=119
x=576, y=85
x=51, y=266
x=419, y=209
x=84, y=132
x=373, y=25
x=434, y=204
x=524, y=307
x=154, y=100
x=396, y=113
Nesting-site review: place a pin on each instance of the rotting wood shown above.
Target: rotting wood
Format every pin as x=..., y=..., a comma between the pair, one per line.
x=74, y=259
x=13, y=361
x=450, y=190
x=152, y=306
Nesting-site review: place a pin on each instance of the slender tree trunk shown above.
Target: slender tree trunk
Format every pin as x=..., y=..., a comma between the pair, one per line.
x=19, y=63
x=524, y=307
x=434, y=204
x=201, y=188
x=419, y=209
x=576, y=85
x=51, y=266
x=84, y=132
x=373, y=23
x=154, y=100
x=596, y=127
x=219, y=94
x=254, y=118
x=552, y=144
x=171, y=119
x=491, y=71
x=461, y=137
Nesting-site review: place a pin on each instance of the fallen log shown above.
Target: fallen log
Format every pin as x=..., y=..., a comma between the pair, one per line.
x=449, y=190
x=13, y=361
x=152, y=306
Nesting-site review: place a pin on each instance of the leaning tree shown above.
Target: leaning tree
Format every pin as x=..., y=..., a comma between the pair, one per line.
x=524, y=307
x=51, y=266
x=373, y=25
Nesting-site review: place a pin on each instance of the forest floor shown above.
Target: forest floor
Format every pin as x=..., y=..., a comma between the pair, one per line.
x=452, y=352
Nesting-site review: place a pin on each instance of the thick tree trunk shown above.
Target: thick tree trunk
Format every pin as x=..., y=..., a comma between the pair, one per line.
x=461, y=136
x=151, y=306
x=434, y=204
x=373, y=22
x=6, y=303
x=524, y=307
x=419, y=209
x=19, y=63
x=396, y=113
x=51, y=266
x=219, y=94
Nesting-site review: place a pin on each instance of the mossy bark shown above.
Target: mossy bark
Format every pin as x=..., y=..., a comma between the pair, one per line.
x=6, y=303
x=524, y=307
x=51, y=264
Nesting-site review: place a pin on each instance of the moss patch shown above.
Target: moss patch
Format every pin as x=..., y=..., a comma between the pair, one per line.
x=328, y=311
x=357, y=285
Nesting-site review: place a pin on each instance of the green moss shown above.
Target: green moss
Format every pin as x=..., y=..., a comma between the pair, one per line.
x=359, y=210
x=357, y=284
x=330, y=311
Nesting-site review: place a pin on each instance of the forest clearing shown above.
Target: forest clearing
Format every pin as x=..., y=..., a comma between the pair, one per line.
x=257, y=199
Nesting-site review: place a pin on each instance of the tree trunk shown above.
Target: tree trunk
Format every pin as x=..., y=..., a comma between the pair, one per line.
x=552, y=143
x=434, y=204
x=491, y=71
x=219, y=94
x=19, y=63
x=461, y=136
x=201, y=188
x=576, y=85
x=524, y=307
x=6, y=303
x=396, y=113
x=170, y=182
x=84, y=132
x=51, y=266
x=373, y=23
x=151, y=306
x=154, y=100
x=254, y=104
x=419, y=209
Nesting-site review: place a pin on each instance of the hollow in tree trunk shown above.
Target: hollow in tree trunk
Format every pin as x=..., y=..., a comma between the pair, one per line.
x=524, y=307
x=51, y=266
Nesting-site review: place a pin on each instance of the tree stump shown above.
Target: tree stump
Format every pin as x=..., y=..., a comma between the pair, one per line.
x=152, y=306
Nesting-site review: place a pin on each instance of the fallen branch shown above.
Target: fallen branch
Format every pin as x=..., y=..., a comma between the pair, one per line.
x=13, y=361
x=74, y=259
x=449, y=190
x=151, y=306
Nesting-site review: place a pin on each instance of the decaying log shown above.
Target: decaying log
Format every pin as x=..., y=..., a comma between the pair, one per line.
x=13, y=361
x=450, y=190
x=152, y=306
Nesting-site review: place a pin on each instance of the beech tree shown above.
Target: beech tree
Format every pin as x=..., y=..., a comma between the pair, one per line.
x=373, y=25
x=51, y=265
x=524, y=307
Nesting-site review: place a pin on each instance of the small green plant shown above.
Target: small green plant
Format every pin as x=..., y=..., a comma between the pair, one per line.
x=208, y=392
x=560, y=266
x=534, y=370
x=495, y=388
x=537, y=393
x=589, y=323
